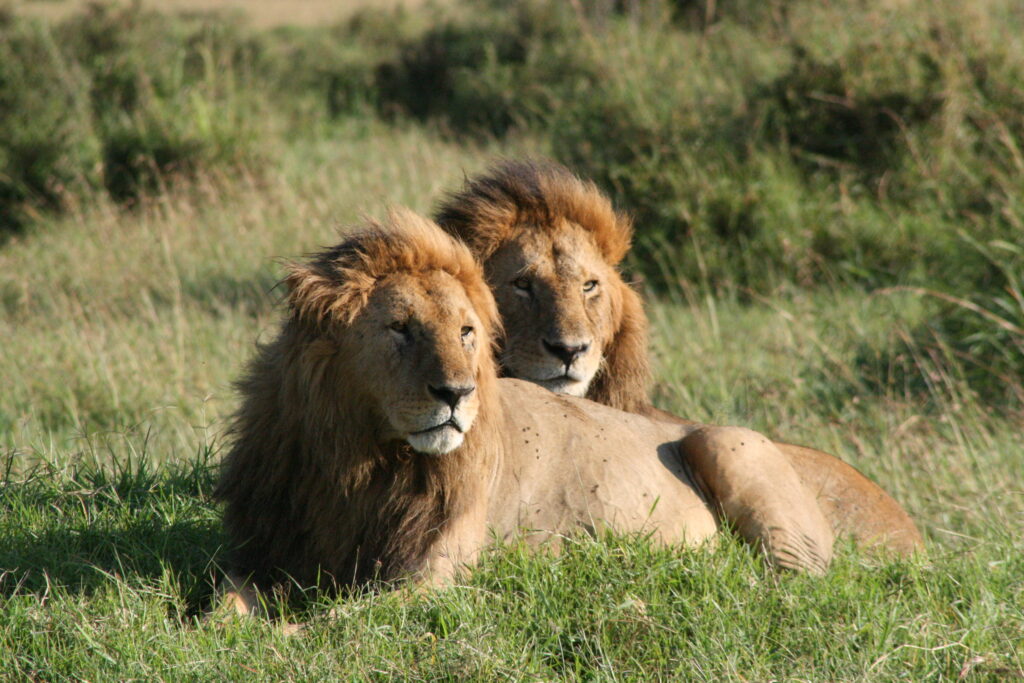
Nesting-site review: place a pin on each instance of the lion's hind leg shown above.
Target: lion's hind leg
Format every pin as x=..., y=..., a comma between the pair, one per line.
x=753, y=485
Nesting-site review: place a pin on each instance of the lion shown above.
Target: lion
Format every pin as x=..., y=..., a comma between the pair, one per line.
x=374, y=440
x=551, y=244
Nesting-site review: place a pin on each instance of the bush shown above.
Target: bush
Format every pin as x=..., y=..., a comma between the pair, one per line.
x=332, y=71
x=48, y=145
x=758, y=145
x=841, y=144
x=984, y=333
x=120, y=98
x=170, y=97
x=970, y=346
x=490, y=72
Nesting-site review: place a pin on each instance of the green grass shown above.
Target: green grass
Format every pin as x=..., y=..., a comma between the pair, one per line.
x=111, y=570
x=122, y=328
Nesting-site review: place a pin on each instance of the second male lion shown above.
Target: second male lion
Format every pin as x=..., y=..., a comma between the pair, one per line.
x=551, y=244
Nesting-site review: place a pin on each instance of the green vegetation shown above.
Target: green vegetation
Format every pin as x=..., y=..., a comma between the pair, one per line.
x=126, y=555
x=116, y=98
x=830, y=230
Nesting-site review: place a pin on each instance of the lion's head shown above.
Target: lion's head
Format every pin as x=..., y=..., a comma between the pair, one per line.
x=409, y=328
x=551, y=245
x=388, y=334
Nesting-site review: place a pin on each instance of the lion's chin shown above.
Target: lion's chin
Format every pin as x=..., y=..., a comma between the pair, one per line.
x=565, y=385
x=436, y=441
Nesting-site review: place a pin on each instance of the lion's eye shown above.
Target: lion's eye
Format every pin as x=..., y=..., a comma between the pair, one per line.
x=399, y=327
x=589, y=286
x=467, y=332
x=522, y=284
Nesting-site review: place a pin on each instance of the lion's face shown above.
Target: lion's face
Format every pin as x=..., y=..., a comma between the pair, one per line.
x=416, y=349
x=554, y=291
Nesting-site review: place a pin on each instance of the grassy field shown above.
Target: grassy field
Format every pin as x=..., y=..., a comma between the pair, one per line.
x=792, y=288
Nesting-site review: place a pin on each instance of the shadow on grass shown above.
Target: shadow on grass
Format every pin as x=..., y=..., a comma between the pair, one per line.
x=82, y=560
x=81, y=530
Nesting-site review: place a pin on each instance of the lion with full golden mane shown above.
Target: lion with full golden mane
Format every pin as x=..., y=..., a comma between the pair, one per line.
x=551, y=244
x=375, y=440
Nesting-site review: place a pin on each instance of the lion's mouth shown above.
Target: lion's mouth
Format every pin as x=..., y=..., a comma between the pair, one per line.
x=450, y=422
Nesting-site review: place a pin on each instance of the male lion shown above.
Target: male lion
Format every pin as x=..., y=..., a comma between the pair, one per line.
x=374, y=439
x=550, y=244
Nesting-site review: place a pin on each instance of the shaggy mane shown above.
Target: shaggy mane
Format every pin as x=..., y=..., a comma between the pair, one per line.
x=312, y=492
x=539, y=195
x=337, y=282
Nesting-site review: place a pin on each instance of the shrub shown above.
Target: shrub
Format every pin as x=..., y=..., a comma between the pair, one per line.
x=332, y=70
x=490, y=72
x=758, y=144
x=119, y=98
x=969, y=347
x=48, y=145
x=793, y=142
x=984, y=333
x=169, y=97
x=810, y=144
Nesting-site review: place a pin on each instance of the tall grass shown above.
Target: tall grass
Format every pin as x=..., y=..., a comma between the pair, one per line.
x=808, y=143
x=784, y=160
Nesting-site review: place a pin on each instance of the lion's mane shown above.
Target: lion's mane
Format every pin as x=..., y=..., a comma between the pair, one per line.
x=519, y=195
x=323, y=505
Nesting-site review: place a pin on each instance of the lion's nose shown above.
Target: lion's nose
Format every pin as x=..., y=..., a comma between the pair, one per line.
x=567, y=353
x=451, y=395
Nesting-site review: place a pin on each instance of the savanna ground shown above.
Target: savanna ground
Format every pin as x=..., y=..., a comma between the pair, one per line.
x=830, y=228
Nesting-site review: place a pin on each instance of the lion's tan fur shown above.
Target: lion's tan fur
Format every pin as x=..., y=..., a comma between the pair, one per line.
x=544, y=197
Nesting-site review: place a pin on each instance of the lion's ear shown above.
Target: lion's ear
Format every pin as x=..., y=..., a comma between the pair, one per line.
x=625, y=376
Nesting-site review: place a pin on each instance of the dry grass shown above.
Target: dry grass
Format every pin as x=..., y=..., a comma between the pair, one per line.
x=115, y=319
